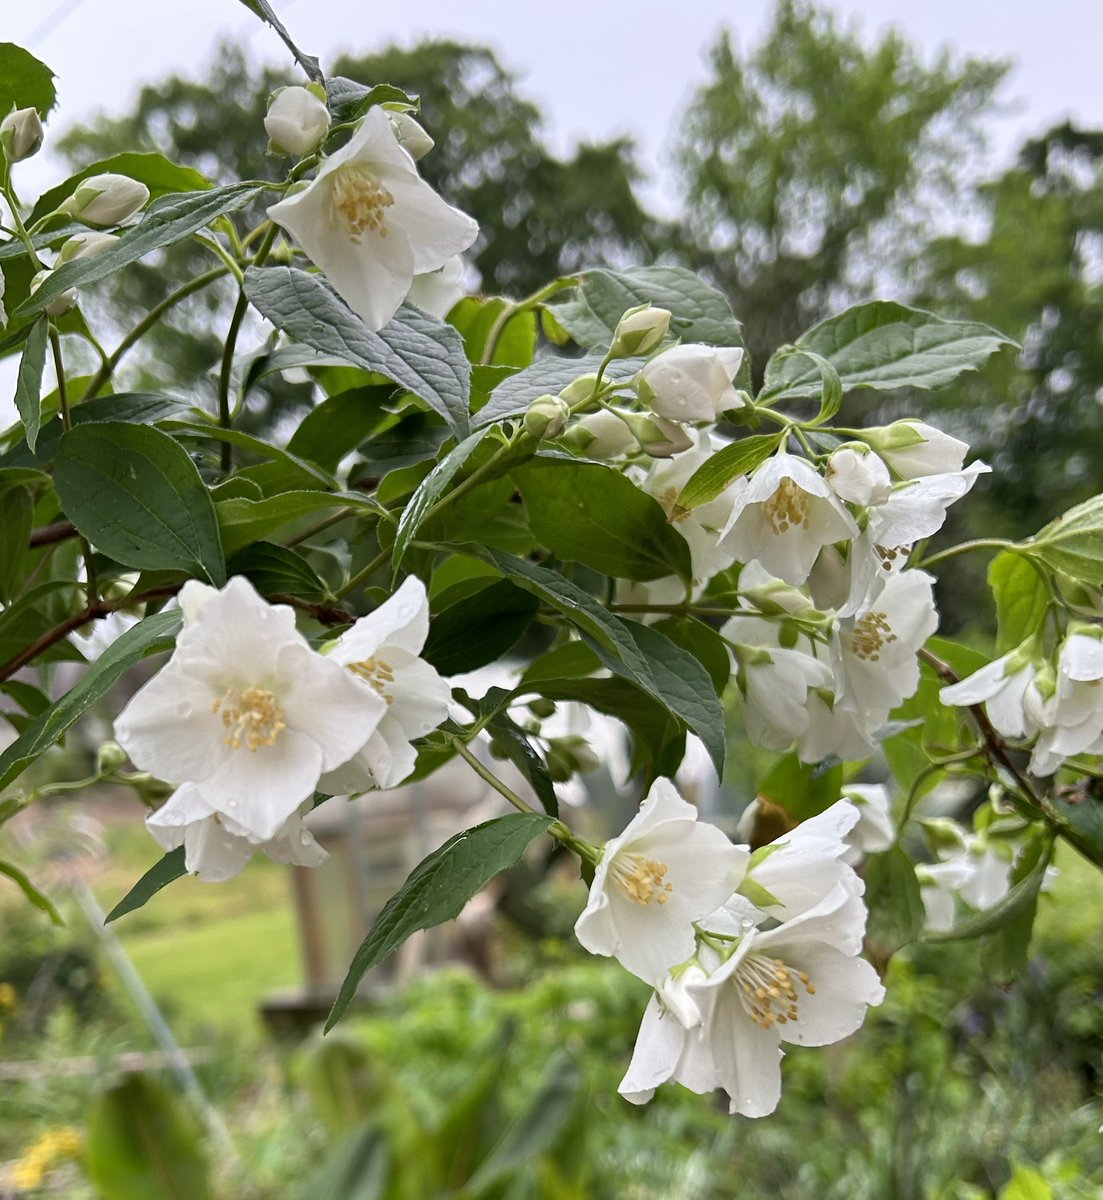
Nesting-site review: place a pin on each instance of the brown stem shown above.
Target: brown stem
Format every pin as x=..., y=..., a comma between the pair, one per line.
x=48, y=534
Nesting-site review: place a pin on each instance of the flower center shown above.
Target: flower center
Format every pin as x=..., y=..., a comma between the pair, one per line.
x=788, y=506
x=768, y=989
x=376, y=672
x=869, y=635
x=642, y=878
x=252, y=717
x=361, y=202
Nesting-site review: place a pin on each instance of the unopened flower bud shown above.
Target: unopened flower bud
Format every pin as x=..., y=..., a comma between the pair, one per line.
x=691, y=382
x=410, y=135
x=59, y=304
x=914, y=449
x=579, y=389
x=639, y=331
x=109, y=757
x=297, y=120
x=106, y=199
x=21, y=134
x=600, y=435
x=86, y=245
x=546, y=417
x=658, y=437
x=856, y=474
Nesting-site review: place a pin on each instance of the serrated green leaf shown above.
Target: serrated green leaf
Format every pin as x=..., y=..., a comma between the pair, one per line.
x=28, y=384
x=137, y=496
x=25, y=82
x=292, y=473
x=349, y=100
x=428, y=492
x=550, y=374
x=308, y=62
x=527, y=759
x=1021, y=599
x=480, y=628
x=593, y=514
x=153, y=633
x=831, y=388
x=699, y=313
x=168, y=220
x=339, y=424
x=882, y=345
x=414, y=349
x=166, y=869
x=242, y=520
x=277, y=571
x=704, y=643
x=1073, y=542
x=161, y=176
x=724, y=467
x=438, y=888
x=38, y=898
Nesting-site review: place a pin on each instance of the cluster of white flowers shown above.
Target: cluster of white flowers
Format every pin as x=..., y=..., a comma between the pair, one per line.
x=248, y=720
x=744, y=951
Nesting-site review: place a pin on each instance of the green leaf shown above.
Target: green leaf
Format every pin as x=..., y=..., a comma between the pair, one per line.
x=527, y=759
x=480, y=628
x=895, y=904
x=724, y=467
x=28, y=618
x=286, y=471
x=429, y=491
x=1073, y=542
x=1081, y=823
x=137, y=496
x=417, y=351
x=28, y=384
x=1026, y=1184
x=153, y=633
x=882, y=345
x=242, y=520
x=24, y=81
x=803, y=789
x=831, y=386
x=340, y=424
x=349, y=100
x=277, y=571
x=168, y=220
x=141, y=1142
x=593, y=514
x=632, y=651
x=437, y=890
x=357, y=1168
x=309, y=64
x=39, y=899
x=704, y=643
x=699, y=313
x=1021, y=599
x=167, y=868
x=475, y=318
x=18, y=507
x=161, y=176
x=549, y=374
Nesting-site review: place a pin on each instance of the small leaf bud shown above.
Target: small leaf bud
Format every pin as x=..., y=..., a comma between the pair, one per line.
x=541, y=707
x=639, y=331
x=106, y=199
x=21, y=134
x=410, y=135
x=110, y=757
x=297, y=120
x=546, y=417
x=59, y=304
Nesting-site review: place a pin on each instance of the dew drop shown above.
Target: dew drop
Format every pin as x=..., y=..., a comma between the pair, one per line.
x=231, y=804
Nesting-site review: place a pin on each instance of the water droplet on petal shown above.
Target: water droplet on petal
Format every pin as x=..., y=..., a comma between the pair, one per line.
x=184, y=711
x=231, y=804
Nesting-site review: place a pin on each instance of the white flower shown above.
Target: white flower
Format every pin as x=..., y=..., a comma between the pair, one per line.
x=437, y=292
x=381, y=652
x=968, y=869
x=876, y=829
x=297, y=120
x=800, y=982
x=876, y=649
x=106, y=199
x=1071, y=719
x=691, y=382
x=371, y=223
x=1002, y=688
x=664, y=872
x=246, y=711
x=858, y=475
x=216, y=848
x=913, y=448
x=782, y=516
x=917, y=509
x=835, y=729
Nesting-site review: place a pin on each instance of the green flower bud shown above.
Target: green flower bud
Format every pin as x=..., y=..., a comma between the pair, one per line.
x=579, y=390
x=86, y=245
x=546, y=417
x=109, y=757
x=106, y=199
x=297, y=120
x=21, y=134
x=639, y=331
x=59, y=304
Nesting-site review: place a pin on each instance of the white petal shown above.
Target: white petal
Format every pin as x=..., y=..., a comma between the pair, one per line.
x=845, y=987
x=401, y=621
x=170, y=728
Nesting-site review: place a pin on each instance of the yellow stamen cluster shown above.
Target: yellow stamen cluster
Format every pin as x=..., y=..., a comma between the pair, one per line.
x=361, y=202
x=787, y=507
x=889, y=556
x=768, y=990
x=643, y=879
x=870, y=635
x=376, y=672
x=252, y=717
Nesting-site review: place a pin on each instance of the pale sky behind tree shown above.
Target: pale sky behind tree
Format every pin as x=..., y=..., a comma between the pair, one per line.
x=597, y=69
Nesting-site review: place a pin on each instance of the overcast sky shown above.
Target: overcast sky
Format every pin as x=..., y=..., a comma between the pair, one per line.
x=598, y=68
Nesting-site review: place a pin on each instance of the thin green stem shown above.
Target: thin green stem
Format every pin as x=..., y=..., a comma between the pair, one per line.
x=17, y=220
x=225, y=418
x=363, y=575
x=486, y=774
x=217, y=249
x=967, y=547
x=512, y=310
x=146, y=323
